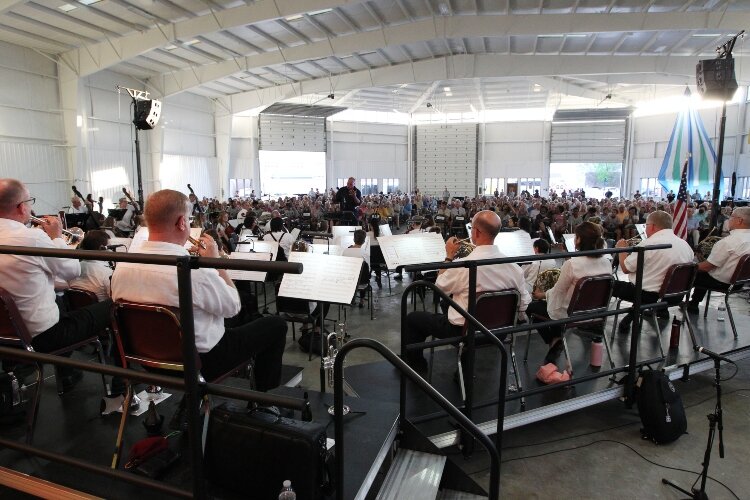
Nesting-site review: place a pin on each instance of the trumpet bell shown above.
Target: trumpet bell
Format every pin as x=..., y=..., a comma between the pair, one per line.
x=464, y=250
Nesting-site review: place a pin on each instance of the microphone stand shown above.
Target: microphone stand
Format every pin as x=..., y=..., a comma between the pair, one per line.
x=715, y=420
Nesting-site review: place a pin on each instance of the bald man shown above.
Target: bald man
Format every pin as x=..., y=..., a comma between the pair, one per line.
x=484, y=227
x=30, y=280
x=221, y=342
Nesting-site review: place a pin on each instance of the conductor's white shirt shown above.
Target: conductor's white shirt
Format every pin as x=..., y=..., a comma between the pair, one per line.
x=30, y=280
x=213, y=298
x=656, y=262
x=491, y=278
x=727, y=252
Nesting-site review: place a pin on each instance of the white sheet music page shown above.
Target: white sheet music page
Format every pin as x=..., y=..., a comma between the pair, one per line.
x=343, y=235
x=327, y=278
x=514, y=243
x=385, y=230
x=417, y=248
x=295, y=233
x=570, y=242
x=249, y=275
x=271, y=247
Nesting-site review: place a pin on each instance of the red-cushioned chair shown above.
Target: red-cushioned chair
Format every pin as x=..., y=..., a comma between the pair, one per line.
x=495, y=311
x=590, y=295
x=151, y=336
x=13, y=332
x=740, y=278
x=678, y=281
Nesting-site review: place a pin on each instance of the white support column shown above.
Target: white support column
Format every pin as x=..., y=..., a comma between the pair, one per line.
x=68, y=83
x=223, y=131
x=156, y=151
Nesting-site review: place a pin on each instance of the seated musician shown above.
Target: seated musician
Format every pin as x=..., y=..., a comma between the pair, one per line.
x=655, y=263
x=124, y=226
x=95, y=274
x=281, y=237
x=77, y=206
x=358, y=250
x=531, y=271
x=29, y=280
x=421, y=324
x=215, y=298
x=554, y=303
x=717, y=270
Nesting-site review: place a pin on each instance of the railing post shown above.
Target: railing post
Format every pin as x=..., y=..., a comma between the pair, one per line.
x=635, y=337
x=402, y=378
x=185, y=290
x=468, y=375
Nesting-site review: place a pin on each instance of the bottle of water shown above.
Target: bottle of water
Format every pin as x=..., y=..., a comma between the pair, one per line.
x=721, y=311
x=287, y=493
x=596, y=352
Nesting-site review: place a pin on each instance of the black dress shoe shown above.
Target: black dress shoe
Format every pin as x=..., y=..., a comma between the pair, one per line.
x=624, y=327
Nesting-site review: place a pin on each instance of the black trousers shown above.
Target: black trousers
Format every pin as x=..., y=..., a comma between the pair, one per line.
x=422, y=324
x=625, y=290
x=703, y=281
x=549, y=333
x=263, y=338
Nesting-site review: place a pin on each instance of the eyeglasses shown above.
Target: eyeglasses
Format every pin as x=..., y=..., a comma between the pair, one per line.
x=30, y=201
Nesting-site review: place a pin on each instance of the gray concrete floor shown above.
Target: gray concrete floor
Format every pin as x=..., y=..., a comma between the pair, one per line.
x=590, y=453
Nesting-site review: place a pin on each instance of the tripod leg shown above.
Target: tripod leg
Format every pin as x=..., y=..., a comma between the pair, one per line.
x=671, y=484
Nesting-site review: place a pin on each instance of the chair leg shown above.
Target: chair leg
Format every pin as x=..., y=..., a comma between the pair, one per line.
x=528, y=341
x=614, y=320
x=123, y=421
x=609, y=352
x=729, y=312
x=514, y=365
x=705, y=308
x=34, y=411
x=429, y=365
x=103, y=361
x=461, y=372
x=567, y=352
x=658, y=331
x=686, y=318
x=369, y=298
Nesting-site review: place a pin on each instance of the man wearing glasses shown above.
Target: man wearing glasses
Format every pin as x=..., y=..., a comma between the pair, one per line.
x=30, y=280
x=655, y=263
x=717, y=270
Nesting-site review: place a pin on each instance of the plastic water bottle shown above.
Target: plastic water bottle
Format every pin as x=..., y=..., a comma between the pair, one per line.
x=596, y=352
x=287, y=493
x=721, y=311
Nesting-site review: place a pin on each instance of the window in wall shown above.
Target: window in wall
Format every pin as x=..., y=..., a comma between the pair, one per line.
x=530, y=184
x=727, y=187
x=390, y=185
x=494, y=183
x=743, y=188
x=240, y=187
x=595, y=178
x=341, y=182
x=368, y=186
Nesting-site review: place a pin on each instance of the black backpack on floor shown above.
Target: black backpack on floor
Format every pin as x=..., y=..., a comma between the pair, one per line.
x=660, y=407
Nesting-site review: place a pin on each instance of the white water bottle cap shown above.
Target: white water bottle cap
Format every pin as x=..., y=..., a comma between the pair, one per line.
x=287, y=483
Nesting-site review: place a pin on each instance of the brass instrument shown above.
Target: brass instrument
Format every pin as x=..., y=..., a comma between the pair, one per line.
x=634, y=241
x=333, y=341
x=465, y=248
x=703, y=251
x=197, y=243
x=72, y=236
x=547, y=279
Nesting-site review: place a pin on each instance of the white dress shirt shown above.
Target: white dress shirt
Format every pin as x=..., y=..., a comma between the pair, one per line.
x=575, y=268
x=363, y=251
x=492, y=278
x=656, y=262
x=30, y=280
x=727, y=252
x=283, y=239
x=95, y=277
x=213, y=298
x=126, y=223
x=531, y=271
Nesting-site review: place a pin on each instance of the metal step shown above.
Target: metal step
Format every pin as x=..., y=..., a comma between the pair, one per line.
x=457, y=495
x=414, y=475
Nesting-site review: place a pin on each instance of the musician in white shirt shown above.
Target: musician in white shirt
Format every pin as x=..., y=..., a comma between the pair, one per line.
x=220, y=344
x=30, y=280
x=422, y=324
x=125, y=225
x=655, y=263
x=96, y=275
x=77, y=206
x=717, y=270
x=531, y=271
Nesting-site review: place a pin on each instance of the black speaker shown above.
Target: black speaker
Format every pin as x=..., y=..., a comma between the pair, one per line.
x=715, y=78
x=147, y=114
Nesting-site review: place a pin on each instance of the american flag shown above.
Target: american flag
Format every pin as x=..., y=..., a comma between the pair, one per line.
x=680, y=208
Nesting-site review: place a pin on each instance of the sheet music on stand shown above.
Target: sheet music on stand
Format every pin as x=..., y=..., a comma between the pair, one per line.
x=235, y=274
x=551, y=234
x=295, y=233
x=515, y=243
x=323, y=248
x=324, y=278
x=417, y=248
x=385, y=230
x=641, y=228
x=343, y=235
x=570, y=242
x=266, y=247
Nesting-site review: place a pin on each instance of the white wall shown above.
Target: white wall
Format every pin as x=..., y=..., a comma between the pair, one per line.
x=31, y=133
x=514, y=149
x=243, y=162
x=367, y=150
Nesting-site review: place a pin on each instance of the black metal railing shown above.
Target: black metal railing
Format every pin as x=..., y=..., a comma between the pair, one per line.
x=189, y=383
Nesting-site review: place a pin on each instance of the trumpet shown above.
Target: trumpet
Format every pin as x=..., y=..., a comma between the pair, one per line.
x=72, y=236
x=197, y=243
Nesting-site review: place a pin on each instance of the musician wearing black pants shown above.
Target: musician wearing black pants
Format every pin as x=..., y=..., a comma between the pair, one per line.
x=30, y=280
x=349, y=197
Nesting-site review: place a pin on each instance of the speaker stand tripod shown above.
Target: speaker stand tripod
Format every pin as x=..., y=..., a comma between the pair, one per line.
x=714, y=421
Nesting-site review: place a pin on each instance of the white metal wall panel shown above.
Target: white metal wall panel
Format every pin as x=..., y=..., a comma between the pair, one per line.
x=243, y=156
x=188, y=122
x=42, y=168
x=292, y=133
x=178, y=171
x=588, y=142
x=447, y=157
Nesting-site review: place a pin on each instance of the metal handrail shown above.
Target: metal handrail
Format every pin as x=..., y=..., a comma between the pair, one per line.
x=405, y=370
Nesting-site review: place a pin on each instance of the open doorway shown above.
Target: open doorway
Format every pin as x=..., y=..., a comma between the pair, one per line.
x=285, y=173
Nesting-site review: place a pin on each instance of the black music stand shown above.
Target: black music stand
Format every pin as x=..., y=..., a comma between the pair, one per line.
x=715, y=420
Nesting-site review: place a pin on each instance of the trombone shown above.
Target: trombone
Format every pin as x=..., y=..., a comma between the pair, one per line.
x=72, y=236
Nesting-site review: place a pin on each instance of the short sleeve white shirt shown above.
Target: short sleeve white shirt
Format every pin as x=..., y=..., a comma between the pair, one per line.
x=656, y=262
x=727, y=252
